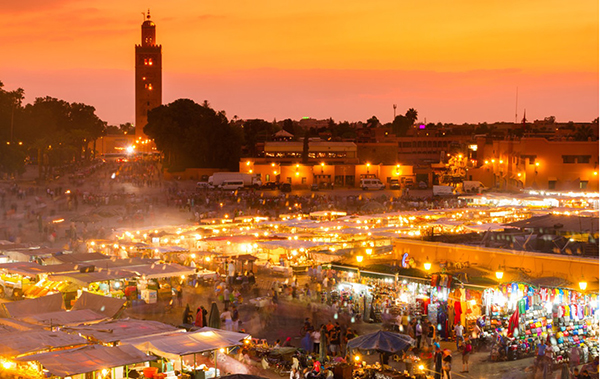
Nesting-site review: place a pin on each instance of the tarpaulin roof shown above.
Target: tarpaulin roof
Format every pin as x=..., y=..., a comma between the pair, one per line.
x=162, y=270
x=382, y=341
x=80, y=257
x=108, y=306
x=118, y=330
x=84, y=279
x=20, y=309
x=26, y=342
x=234, y=337
x=88, y=359
x=63, y=318
x=175, y=345
x=32, y=268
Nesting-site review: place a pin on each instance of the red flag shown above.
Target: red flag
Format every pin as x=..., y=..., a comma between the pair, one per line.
x=513, y=323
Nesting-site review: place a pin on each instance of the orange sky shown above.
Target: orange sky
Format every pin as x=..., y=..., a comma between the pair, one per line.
x=454, y=61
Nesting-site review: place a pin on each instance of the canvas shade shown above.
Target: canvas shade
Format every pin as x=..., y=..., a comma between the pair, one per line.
x=155, y=271
x=88, y=359
x=23, y=308
x=107, y=306
x=176, y=345
x=381, y=341
x=233, y=337
x=26, y=342
x=118, y=330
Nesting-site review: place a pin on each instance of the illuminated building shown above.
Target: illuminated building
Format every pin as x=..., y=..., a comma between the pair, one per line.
x=148, y=76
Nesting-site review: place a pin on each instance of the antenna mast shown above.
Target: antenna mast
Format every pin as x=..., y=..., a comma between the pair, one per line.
x=394, y=106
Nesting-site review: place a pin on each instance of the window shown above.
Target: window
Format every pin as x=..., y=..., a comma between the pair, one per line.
x=551, y=184
x=289, y=179
x=583, y=158
x=304, y=180
x=569, y=158
x=583, y=184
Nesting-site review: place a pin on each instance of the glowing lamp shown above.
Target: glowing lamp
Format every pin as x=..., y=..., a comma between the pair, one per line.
x=357, y=358
x=369, y=251
x=596, y=173
x=207, y=259
x=499, y=275
x=537, y=164
x=248, y=163
x=359, y=258
x=427, y=265
x=582, y=286
x=221, y=350
x=421, y=367
x=519, y=174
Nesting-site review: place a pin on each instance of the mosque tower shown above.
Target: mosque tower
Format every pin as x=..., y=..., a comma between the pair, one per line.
x=148, y=76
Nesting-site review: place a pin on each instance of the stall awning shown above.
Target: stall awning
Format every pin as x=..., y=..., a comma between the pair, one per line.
x=84, y=279
x=20, y=309
x=88, y=359
x=176, y=345
x=18, y=343
x=118, y=330
x=64, y=318
x=107, y=306
x=162, y=270
x=32, y=269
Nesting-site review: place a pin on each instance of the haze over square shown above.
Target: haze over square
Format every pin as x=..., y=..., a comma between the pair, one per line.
x=453, y=61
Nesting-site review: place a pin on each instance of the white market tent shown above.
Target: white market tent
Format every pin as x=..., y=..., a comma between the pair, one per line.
x=18, y=343
x=156, y=271
x=122, y=329
x=87, y=359
x=176, y=345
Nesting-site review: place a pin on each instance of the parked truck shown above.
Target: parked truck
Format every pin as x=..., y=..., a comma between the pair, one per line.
x=443, y=191
x=249, y=180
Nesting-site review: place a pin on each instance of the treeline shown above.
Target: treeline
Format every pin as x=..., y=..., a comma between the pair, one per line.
x=52, y=131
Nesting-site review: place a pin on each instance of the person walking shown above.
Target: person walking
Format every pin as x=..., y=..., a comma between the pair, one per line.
x=418, y=333
x=458, y=331
x=447, y=365
x=467, y=348
x=316, y=339
x=437, y=363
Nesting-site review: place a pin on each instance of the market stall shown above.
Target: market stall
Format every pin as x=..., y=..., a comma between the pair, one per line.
x=532, y=315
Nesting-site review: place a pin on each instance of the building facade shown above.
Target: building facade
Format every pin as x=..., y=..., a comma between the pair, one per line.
x=537, y=163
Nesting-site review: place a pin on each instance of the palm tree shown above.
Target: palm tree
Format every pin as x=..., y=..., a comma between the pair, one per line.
x=583, y=133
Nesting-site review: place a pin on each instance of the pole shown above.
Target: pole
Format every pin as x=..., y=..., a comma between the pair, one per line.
x=216, y=371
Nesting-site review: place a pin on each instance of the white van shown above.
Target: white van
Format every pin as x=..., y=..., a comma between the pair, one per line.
x=232, y=185
x=371, y=184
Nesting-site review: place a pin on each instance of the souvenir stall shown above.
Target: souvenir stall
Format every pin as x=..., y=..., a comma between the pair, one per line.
x=567, y=318
x=386, y=298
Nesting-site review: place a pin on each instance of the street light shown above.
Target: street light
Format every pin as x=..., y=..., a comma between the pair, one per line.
x=427, y=265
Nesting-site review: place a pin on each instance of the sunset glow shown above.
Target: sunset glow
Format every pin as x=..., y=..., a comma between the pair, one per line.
x=453, y=61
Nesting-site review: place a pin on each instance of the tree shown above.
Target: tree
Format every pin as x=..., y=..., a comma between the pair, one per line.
x=584, y=133
x=400, y=125
x=305, y=145
x=288, y=125
x=411, y=115
x=373, y=122
x=194, y=135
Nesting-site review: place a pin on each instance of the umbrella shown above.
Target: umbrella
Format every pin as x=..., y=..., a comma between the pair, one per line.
x=214, y=318
x=382, y=342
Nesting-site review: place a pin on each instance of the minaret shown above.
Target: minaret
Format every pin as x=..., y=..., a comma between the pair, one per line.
x=148, y=76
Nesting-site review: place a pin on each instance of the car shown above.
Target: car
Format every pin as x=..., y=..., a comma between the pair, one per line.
x=203, y=185
x=394, y=184
x=314, y=187
x=285, y=187
x=270, y=186
x=422, y=185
